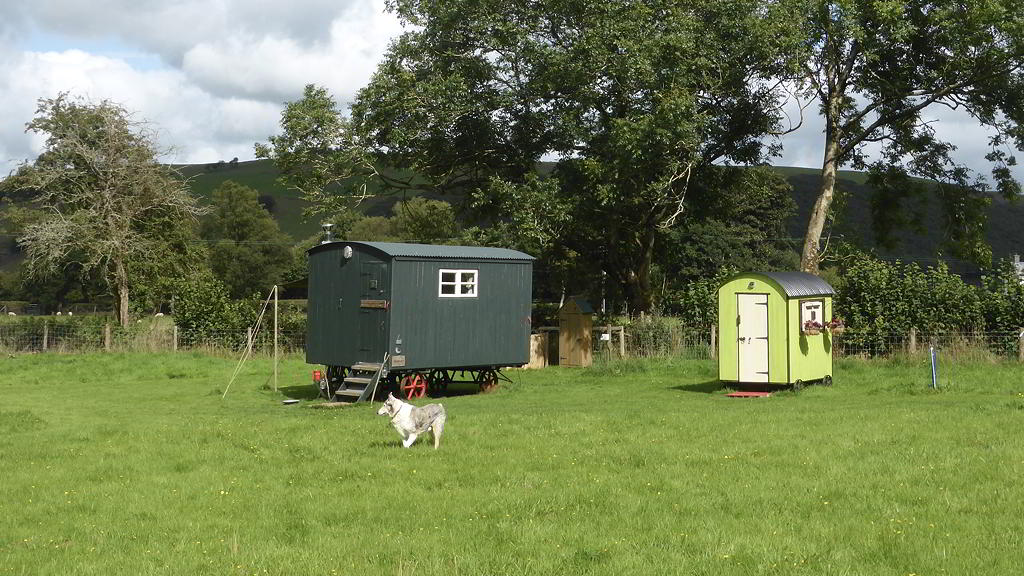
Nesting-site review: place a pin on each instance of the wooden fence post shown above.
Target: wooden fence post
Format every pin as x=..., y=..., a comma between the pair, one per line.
x=248, y=338
x=106, y=336
x=46, y=335
x=174, y=344
x=714, y=341
x=913, y=340
x=275, y=340
x=1020, y=346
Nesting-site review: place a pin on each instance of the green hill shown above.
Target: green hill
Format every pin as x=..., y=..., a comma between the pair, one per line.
x=286, y=205
x=260, y=175
x=1004, y=233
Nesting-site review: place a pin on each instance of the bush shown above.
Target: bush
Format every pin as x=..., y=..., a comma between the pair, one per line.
x=203, y=308
x=879, y=299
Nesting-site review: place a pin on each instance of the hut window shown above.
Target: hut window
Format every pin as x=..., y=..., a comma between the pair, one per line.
x=812, y=311
x=457, y=284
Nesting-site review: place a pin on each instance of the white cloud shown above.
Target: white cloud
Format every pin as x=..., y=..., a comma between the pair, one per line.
x=211, y=76
x=276, y=68
x=172, y=27
x=185, y=117
x=806, y=146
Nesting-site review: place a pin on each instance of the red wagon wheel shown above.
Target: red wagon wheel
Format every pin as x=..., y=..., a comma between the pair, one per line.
x=487, y=379
x=413, y=386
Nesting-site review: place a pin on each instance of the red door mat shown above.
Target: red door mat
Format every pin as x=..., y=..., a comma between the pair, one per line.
x=748, y=394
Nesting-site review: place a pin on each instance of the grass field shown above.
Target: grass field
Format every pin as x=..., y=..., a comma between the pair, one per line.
x=133, y=464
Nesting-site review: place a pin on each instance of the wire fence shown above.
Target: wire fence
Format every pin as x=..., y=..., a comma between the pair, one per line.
x=702, y=343
x=73, y=339
x=675, y=341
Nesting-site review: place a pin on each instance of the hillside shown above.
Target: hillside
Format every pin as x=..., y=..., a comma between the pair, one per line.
x=1005, y=233
x=284, y=204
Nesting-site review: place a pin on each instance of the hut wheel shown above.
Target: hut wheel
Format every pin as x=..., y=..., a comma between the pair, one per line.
x=437, y=382
x=413, y=386
x=332, y=380
x=487, y=379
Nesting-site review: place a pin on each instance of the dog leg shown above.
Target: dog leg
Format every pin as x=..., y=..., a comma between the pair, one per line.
x=408, y=441
x=436, y=430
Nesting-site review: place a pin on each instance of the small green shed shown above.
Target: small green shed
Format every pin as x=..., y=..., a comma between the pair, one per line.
x=773, y=328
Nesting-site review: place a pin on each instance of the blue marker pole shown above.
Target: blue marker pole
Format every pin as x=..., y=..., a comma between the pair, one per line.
x=935, y=367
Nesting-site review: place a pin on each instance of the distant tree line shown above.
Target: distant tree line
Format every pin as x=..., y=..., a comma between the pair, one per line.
x=623, y=144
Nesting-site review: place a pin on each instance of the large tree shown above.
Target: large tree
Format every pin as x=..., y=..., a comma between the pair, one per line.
x=248, y=251
x=880, y=70
x=631, y=99
x=111, y=208
x=321, y=157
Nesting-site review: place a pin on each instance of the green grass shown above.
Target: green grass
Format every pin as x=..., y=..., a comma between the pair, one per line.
x=133, y=464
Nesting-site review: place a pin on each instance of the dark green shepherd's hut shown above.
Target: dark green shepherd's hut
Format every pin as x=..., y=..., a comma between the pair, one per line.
x=385, y=315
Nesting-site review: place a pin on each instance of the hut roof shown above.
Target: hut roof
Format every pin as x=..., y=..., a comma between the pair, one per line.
x=800, y=283
x=582, y=305
x=440, y=252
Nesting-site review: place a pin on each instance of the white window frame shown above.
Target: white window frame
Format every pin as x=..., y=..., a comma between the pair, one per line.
x=805, y=311
x=458, y=283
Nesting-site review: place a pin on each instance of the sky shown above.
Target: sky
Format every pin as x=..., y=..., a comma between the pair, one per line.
x=212, y=76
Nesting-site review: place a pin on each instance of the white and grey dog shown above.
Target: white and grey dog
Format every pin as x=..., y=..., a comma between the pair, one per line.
x=412, y=421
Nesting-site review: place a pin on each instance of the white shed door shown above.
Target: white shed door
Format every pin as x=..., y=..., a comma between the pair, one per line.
x=752, y=336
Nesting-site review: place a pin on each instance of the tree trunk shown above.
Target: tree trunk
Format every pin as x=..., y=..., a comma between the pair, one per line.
x=636, y=274
x=121, y=279
x=811, y=256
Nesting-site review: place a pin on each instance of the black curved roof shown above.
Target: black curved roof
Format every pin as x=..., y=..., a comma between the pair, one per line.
x=441, y=252
x=800, y=283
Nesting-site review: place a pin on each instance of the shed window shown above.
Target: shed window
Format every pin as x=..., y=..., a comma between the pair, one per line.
x=457, y=284
x=812, y=311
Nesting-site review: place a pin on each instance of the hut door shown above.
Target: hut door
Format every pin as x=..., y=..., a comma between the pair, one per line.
x=373, y=310
x=752, y=336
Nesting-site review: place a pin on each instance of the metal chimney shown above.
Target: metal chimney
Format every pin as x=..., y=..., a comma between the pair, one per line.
x=327, y=233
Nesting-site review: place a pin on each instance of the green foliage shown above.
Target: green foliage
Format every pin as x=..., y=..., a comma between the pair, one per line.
x=203, y=308
x=1003, y=298
x=695, y=302
x=425, y=221
x=735, y=219
x=878, y=69
x=319, y=155
x=250, y=253
x=632, y=97
x=893, y=298
x=111, y=209
x=418, y=220
x=878, y=299
x=372, y=229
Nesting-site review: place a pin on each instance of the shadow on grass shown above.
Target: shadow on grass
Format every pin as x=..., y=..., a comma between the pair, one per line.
x=713, y=386
x=299, y=392
x=387, y=443
x=459, y=389
x=709, y=387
